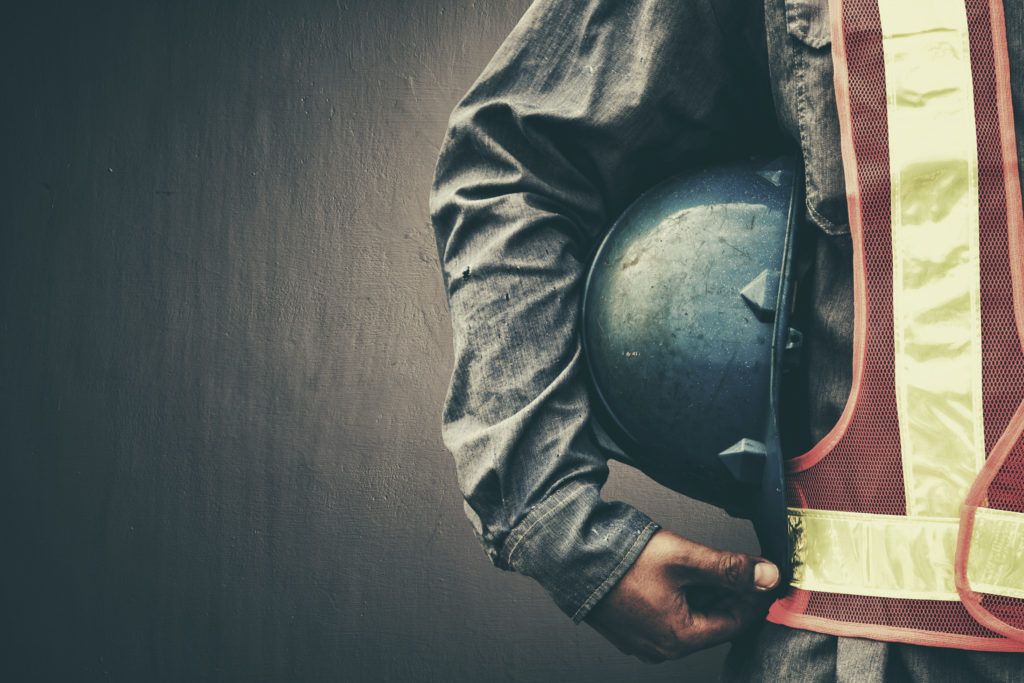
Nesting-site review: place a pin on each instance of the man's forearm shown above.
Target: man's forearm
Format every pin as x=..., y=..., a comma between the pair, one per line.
x=584, y=106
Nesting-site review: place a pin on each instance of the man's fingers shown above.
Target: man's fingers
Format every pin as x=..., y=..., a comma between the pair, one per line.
x=735, y=571
x=714, y=628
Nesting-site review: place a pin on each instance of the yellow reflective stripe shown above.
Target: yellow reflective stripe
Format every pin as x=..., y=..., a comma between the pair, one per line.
x=905, y=557
x=936, y=295
x=881, y=555
x=997, y=534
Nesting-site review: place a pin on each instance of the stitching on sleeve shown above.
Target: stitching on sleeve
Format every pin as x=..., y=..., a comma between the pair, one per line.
x=557, y=503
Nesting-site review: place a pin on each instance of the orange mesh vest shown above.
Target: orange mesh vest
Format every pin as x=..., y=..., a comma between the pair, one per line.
x=907, y=519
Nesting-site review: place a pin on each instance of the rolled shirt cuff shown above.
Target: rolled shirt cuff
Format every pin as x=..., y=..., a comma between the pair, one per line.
x=577, y=546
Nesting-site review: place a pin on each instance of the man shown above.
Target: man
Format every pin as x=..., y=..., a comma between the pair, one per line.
x=583, y=107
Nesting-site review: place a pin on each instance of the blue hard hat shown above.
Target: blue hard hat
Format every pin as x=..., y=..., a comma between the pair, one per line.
x=686, y=336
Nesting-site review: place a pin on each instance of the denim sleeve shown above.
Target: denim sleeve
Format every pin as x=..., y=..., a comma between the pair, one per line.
x=585, y=104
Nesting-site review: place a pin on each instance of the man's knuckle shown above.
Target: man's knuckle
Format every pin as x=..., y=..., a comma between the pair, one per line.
x=732, y=567
x=667, y=643
x=681, y=632
x=681, y=643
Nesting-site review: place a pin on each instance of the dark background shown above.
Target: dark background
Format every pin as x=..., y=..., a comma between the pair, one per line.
x=224, y=348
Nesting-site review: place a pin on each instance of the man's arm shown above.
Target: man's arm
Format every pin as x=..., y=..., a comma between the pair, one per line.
x=584, y=106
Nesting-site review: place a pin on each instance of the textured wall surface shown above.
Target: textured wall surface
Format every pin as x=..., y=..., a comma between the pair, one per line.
x=224, y=347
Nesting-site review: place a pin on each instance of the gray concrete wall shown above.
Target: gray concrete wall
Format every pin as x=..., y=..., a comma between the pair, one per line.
x=224, y=347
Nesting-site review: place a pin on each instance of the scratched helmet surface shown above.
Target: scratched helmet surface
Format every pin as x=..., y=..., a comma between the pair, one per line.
x=686, y=336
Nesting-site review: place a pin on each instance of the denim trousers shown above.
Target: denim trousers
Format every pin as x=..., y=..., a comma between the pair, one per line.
x=780, y=654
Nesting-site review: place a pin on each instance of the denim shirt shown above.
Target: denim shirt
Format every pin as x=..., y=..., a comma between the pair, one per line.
x=585, y=105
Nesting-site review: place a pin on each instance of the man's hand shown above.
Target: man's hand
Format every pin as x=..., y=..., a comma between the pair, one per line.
x=680, y=597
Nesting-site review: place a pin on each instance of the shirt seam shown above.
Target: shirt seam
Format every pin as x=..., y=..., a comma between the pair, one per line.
x=556, y=503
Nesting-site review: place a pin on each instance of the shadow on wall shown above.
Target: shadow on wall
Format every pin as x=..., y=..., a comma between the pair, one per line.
x=225, y=347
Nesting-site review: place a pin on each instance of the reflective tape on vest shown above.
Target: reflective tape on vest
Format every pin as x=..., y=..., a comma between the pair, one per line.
x=906, y=557
x=936, y=295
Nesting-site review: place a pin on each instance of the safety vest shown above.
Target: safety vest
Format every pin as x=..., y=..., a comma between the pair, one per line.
x=907, y=519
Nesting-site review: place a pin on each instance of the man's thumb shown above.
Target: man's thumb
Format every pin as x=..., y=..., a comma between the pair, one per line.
x=766, y=575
